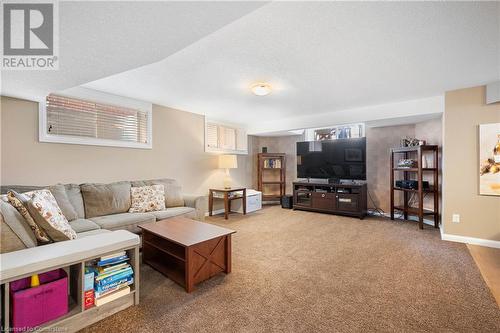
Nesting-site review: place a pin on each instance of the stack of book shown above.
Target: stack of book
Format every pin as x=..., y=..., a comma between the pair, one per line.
x=113, y=275
x=272, y=164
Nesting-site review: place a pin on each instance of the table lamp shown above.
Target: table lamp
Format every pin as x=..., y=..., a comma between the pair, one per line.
x=227, y=162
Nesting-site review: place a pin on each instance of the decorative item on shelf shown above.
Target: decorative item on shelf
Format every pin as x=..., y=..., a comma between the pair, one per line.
x=264, y=149
x=410, y=142
x=227, y=162
x=421, y=142
x=35, y=281
x=407, y=163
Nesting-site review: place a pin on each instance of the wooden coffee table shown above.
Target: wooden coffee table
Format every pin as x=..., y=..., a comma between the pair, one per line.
x=185, y=250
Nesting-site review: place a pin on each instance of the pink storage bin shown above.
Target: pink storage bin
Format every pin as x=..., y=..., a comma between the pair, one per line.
x=31, y=307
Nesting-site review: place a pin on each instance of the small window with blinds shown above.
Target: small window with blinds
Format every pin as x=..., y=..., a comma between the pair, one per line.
x=222, y=138
x=72, y=120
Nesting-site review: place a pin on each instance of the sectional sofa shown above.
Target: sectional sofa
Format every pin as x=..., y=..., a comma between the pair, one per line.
x=96, y=208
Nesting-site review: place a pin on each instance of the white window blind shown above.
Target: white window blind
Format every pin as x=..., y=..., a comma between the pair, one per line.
x=225, y=138
x=79, y=118
x=212, y=135
x=241, y=140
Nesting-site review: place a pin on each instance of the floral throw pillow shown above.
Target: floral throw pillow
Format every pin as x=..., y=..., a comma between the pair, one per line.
x=47, y=214
x=19, y=201
x=147, y=198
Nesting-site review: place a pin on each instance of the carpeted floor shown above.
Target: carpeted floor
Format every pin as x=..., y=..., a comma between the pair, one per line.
x=304, y=272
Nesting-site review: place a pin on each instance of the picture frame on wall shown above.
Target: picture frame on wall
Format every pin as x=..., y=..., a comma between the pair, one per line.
x=489, y=159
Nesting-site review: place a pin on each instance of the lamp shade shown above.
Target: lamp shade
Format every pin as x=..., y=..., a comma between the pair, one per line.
x=228, y=162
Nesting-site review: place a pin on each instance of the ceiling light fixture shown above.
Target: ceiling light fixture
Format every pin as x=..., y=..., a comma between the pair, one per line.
x=261, y=89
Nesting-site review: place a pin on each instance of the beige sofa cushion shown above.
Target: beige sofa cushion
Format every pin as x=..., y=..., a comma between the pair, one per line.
x=47, y=214
x=82, y=225
x=14, y=226
x=9, y=241
x=76, y=199
x=59, y=192
x=175, y=211
x=173, y=191
x=105, y=199
x=126, y=221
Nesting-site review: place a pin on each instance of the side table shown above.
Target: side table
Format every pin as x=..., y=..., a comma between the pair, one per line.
x=228, y=196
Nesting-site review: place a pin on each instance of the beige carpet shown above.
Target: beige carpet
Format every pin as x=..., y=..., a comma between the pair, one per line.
x=304, y=272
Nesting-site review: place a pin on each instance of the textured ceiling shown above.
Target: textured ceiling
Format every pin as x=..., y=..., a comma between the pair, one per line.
x=98, y=39
x=322, y=57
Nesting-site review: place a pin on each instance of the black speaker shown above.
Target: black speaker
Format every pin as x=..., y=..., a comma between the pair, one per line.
x=287, y=201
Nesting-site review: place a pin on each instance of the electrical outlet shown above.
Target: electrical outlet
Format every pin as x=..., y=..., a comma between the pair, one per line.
x=455, y=218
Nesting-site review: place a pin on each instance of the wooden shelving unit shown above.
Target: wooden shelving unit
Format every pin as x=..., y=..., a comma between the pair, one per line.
x=73, y=257
x=271, y=173
x=415, y=173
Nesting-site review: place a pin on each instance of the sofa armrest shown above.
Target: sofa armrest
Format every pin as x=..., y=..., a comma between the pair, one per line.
x=198, y=202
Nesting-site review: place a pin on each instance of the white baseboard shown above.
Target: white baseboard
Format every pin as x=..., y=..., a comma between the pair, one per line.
x=410, y=218
x=470, y=240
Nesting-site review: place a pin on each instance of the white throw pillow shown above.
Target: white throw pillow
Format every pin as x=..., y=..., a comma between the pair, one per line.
x=147, y=198
x=45, y=211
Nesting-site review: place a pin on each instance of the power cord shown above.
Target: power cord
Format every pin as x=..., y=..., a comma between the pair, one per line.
x=377, y=210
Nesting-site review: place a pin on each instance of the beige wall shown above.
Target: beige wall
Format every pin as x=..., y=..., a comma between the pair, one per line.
x=378, y=142
x=432, y=132
x=465, y=109
x=177, y=153
x=278, y=144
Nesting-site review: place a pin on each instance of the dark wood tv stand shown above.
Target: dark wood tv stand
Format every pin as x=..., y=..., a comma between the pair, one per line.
x=342, y=199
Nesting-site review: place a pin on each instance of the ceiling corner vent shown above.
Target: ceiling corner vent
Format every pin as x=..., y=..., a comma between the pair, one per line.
x=493, y=92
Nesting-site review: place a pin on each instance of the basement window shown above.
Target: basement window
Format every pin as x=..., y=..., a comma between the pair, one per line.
x=340, y=132
x=78, y=121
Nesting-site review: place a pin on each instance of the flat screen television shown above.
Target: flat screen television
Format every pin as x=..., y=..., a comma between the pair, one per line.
x=332, y=159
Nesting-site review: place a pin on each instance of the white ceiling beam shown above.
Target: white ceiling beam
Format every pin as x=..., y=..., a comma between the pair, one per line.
x=416, y=107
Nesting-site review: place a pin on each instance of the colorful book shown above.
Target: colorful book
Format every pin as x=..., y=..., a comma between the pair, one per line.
x=113, y=272
x=88, y=299
x=114, y=255
x=111, y=297
x=88, y=282
x=107, y=269
x=112, y=261
x=99, y=294
x=102, y=288
x=115, y=277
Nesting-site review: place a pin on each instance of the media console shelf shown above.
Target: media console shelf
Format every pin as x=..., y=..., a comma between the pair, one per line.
x=342, y=199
